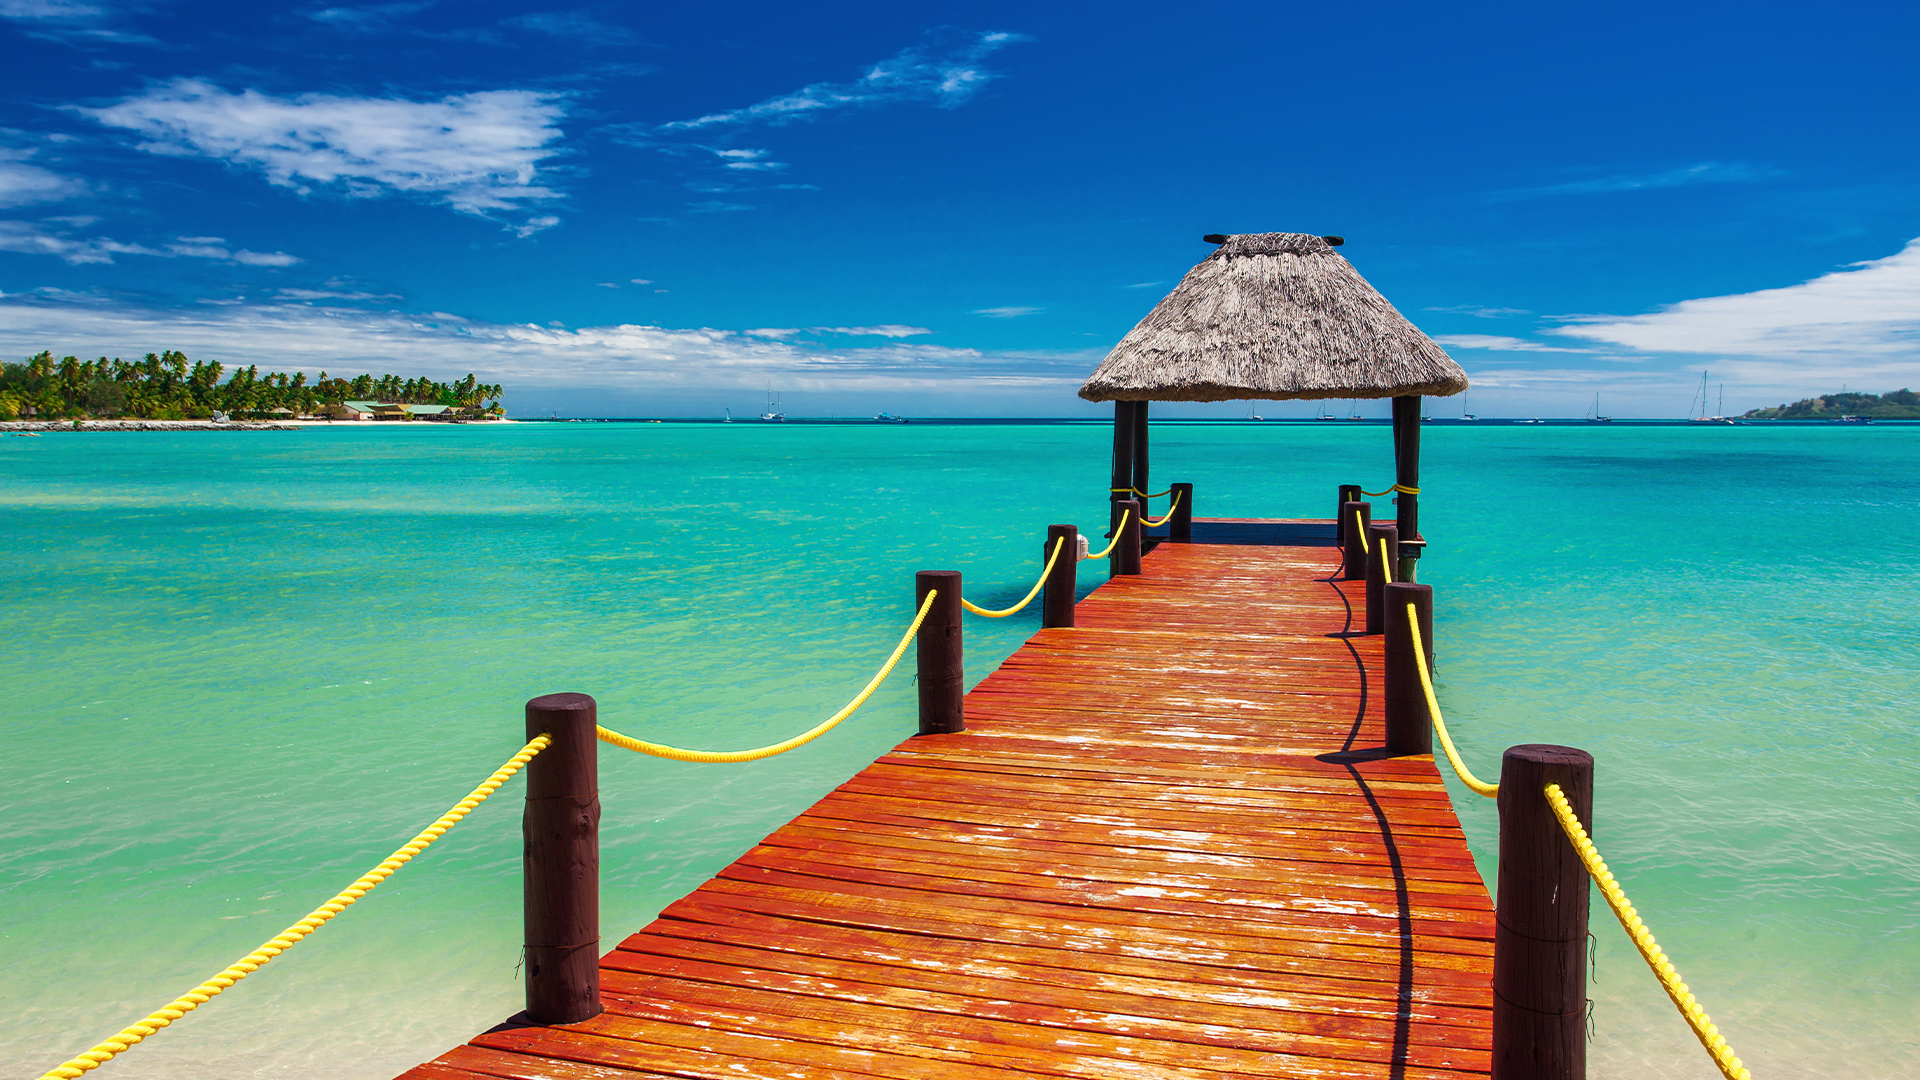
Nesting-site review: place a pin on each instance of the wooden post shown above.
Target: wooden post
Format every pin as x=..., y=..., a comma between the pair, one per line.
x=1140, y=481
x=1356, y=555
x=1409, y=724
x=1383, y=554
x=1181, y=527
x=943, y=672
x=1122, y=485
x=1056, y=596
x=1406, y=473
x=1348, y=493
x=1126, y=555
x=560, y=862
x=1540, y=921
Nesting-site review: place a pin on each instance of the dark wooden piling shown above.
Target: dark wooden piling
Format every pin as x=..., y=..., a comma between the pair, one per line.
x=560, y=863
x=1348, y=493
x=1540, y=928
x=1181, y=526
x=1056, y=596
x=943, y=673
x=1126, y=555
x=1409, y=726
x=1122, y=485
x=1355, y=565
x=1140, y=480
x=1406, y=474
x=1383, y=554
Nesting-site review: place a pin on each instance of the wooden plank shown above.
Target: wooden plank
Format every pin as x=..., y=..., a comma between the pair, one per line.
x=1200, y=870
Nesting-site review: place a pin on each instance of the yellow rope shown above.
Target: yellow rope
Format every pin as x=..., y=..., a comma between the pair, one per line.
x=1433, y=708
x=675, y=753
x=1683, y=999
x=1037, y=586
x=119, y=1044
x=1386, y=566
x=1360, y=531
x=1117, y=530
x=1402, y=488
x=1137, y=491
x=1171, y=507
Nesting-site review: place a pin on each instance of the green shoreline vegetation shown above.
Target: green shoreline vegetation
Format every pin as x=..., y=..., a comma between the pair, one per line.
x=1902, y=404
x=168, y=386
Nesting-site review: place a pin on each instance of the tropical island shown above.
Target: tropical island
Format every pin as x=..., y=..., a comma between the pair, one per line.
x=1902, y=404
x=168, y=386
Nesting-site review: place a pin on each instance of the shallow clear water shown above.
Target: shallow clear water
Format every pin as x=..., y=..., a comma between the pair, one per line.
x=240, y=668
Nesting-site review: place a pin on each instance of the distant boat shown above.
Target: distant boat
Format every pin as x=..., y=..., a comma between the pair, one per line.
x=1593, y=415
x=729, y=418
x=1701, y=417
x=773, y=415
x=1464, y=414
x=1251, y=415
x=1535, y=420
x=889, y=418
x=1325, y=413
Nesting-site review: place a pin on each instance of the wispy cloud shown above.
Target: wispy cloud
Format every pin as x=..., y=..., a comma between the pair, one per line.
x=887, y=330
x=1498, y=343
x=1480, y=312
x=36, y=238
x=71, y=21
x=1705, y=172
x=1867, y=315
x=1143, y=285
x=311, y=336
x=23, y=183
x=1007, y=312
x=746, y=160
x=946, y=78
x=573, y=25
x=478, y=153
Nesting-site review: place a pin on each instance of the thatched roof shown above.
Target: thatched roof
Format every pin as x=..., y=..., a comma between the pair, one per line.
x=1273, y=315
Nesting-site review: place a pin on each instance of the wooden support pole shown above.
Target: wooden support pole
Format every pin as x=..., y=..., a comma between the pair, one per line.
x=1383, y=553
x=1355, y=566
x=1140, y=481
x=1126, y=555
x=560, y=861
x=943, y=671
x=1056, y=596
x=1406, y=473
x=1540, y=921
x=1181, y=527
x=1348, y=493
x=1409, y=725
x=1123, y=416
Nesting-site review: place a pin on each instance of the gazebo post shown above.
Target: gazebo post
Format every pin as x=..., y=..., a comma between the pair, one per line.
x=1406, y=473
x=1140, y=453
x=1123, y=415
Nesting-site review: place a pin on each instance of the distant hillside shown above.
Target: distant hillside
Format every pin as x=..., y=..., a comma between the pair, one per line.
x=1899, y=405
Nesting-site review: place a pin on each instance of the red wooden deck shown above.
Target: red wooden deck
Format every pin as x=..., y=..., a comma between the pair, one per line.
x=1163, y=848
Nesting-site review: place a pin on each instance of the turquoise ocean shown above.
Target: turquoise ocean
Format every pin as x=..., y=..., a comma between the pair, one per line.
x=239, y=669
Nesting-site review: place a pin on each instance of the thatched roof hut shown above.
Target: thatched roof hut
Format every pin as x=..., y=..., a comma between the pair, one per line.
x=1274, y=316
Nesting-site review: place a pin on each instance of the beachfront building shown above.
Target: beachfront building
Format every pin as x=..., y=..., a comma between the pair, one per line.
x=1275, y=317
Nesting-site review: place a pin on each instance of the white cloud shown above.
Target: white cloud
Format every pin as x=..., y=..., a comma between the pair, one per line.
x=34, y=238
x=945, y=79
x=1007, y=312
x=1706, y=172
x=641, y=281
x=1868, y=313
x=535, y=224
x=478, y=153
x=1479, y=312
x=1498, y=343
x=887, y=330
x=1143, y=285
x=332, y=294
x=749, y=160
x=48, y=9
x=22, y=184
x=289, y=336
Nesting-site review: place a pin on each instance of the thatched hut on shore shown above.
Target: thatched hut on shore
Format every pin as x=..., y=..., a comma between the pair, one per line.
x=1274, y=316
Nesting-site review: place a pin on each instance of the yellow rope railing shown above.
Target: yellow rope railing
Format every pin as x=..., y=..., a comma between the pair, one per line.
x=1663, y=969
x=1171, y=507
x=1037, y=586
x=1360, y=531
x=1478, y=785
x=674, y=753
x=1137, y=491
x=1401, y=488
x=1117, y=530
x=110, y=1048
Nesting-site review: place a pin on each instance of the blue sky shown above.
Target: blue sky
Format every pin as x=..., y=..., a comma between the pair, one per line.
x=945, y=209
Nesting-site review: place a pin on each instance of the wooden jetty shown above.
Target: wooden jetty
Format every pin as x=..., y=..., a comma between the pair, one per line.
x=1168, y=844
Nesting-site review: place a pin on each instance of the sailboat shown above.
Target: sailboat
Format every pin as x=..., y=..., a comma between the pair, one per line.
x=1701, y=417
x=1251, y=415
x=1325, y=413
x=1464, y=414
x=773, y=415
x=729, y=418
x=1594, y=417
